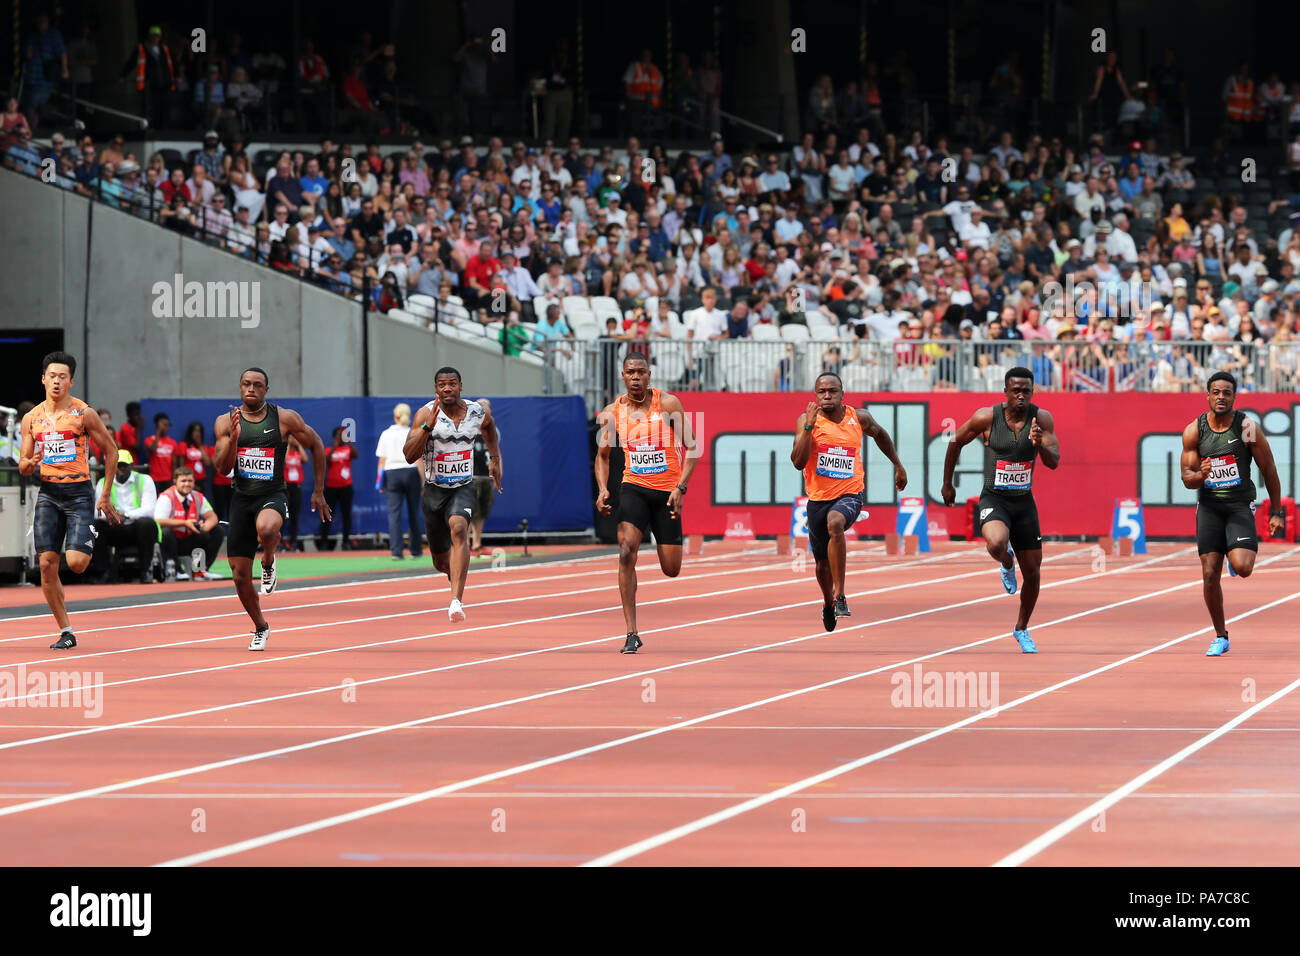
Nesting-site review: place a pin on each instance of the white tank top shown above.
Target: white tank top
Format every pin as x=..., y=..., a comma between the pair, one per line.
x=449, y=455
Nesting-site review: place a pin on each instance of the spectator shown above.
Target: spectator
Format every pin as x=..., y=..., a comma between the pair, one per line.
x=13, y=123
x=164, y=452
x=706, y=324
x=186, y=520
x=293, y=475
x=484, y=494
x=401, y=483
x=338, y=490
x=45, y=62
x=196, y=454
x=133, y=496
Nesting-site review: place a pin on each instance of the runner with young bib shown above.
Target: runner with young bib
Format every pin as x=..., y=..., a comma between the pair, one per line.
x=1017, y=434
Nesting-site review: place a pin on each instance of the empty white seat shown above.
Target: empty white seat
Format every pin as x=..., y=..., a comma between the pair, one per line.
x=407, y=317
x=575, y=305
x=764, y=333
x=425, y=301
x=795, y=333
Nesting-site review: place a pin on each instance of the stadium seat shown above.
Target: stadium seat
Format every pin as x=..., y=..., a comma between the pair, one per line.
x=605, y=307
x=764, y=333
x=400, y=315
x=575, y=306
x=795, y=332
x=669, y=360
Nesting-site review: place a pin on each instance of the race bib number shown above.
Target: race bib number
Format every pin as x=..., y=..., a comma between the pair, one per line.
x=58, y=448
x=1013, y=475
x=453, y=467
x=836, y=461
x=1224, y=472
x=647, y=459
x=255, y=463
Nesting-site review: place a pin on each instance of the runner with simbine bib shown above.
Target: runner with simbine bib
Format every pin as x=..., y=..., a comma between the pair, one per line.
x=1017, y=433
x=1218, y=450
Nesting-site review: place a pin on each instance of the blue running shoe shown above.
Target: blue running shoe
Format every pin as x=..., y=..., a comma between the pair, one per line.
x=1025, y=641
x=1231, y=571
x=1218, y=648
x=1009, y=574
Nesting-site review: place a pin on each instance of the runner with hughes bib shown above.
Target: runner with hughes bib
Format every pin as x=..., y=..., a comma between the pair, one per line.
x=443, y=434
x=1218, y=449
x=252, y=439
x=1016, y=434
x=828, y=448
x=652, y=429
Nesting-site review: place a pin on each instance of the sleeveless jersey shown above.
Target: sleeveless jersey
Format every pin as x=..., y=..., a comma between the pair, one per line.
x=834, y=467
x=1230, y=460
x=60, y=437
x=449, y=455
x=651, y=452
x=1009, y=458
x=259, y=457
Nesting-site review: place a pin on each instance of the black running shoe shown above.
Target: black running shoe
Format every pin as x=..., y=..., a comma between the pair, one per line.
x=828, y=616
x=631, y=645
x=842, y=607
x=64, y=643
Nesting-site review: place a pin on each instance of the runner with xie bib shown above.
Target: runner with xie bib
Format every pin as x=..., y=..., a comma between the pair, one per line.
x=1016, y=433
x=252, y=440
x=652, y=429
x=443, y=434
x=1218, y=449
x=828, y=447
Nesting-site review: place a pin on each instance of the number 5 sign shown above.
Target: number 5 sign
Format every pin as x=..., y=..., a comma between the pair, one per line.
x=1128, y=523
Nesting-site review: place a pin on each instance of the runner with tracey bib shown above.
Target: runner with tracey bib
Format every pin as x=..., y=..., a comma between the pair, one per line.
x=1016, y=433
x=1218, y=449
x=652, y=429
x=252, y=440
x=828, y=448
x=443, y=433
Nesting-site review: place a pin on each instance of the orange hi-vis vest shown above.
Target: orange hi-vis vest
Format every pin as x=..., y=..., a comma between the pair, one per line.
x=651, y=450
x=1241, y=101
x=191, y=513
x=647, y=82
x=141, y=57
x=834, y=467
x=60, y=437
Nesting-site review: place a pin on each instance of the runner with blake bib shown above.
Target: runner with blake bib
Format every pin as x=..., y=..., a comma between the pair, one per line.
x=828, y=448
x=652, y=429
x=1016, y=434
x=1218, y=449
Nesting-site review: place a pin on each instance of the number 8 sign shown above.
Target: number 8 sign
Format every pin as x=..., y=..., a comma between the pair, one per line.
x=1128, y=523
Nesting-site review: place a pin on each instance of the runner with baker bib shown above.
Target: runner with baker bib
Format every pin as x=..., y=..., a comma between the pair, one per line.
x=652, y=429
x=54, y=436
x=1218, y=450
x=252, y=440
x=443, y=434
x=828, y=448
x=1017, y=434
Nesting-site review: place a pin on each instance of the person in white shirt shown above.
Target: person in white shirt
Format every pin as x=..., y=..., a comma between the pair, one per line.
x=186, y=520
x=615, y=211
x=788, y=229
x=706, y=324
x=959, y=210
x=1090, y=199
x=841, y=178
x=401, y=482
x=134, y=496
x=519, y=281
x=976, y=234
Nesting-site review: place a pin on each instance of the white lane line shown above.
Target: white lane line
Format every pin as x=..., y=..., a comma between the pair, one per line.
x=337, y=820
x=143, y=781
x=1090, y=812
x=661, y=794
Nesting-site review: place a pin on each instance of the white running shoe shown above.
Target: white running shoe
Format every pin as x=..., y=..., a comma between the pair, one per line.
x=208, y=576
x=259, y=639
x=456, y=612
x=268, y=578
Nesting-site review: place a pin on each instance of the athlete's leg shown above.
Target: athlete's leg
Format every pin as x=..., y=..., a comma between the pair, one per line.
x=459, y=556
x=269, y=522
x=825, y=579
x=1030, y=563
x=1212, y=589
x=670, y=559
x=996, y=538
x=629, y=543
x=836, y=551
x=52, y=587
x=1242, y=561
x=241, y=569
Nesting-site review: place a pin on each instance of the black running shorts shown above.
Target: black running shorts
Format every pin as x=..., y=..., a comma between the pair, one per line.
x=241, y=535
x=440, y=506
x=1018, y=512
x=647, y=509
x=819, y=535
x=1222, y=526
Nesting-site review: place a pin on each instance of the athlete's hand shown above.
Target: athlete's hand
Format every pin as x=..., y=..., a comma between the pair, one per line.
x=675, y=502
x=810, y=413
x=1035, y=432
x=494, y=470
x=1276, y=526
x=1205, y=468
x=28, y=466
x=602, y=502
x=110, y=513
x=318, y=504
x=949, y=494
x=900, y=477
x=234, y=424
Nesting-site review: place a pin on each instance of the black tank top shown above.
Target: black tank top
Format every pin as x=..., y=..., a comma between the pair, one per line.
x=1230, y=461
x=259, y=456
x=1009, y=458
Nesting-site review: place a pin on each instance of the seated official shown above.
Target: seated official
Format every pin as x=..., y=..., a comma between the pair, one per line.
x=187, y=521
x=133, y=496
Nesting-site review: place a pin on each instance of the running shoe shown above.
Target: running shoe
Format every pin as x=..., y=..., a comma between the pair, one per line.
x=1009, y=574
x=1025, y=641
x=1219, y=647
x=66, y=642
x=259, y=639
x=842, y=607
x=208, y=576
x=631, y=645
x=456, y=612
x=829, y=619
x=1232, y=572
x=268, y=578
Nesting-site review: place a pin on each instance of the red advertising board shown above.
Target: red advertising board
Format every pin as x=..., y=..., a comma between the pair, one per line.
x=1112, y=446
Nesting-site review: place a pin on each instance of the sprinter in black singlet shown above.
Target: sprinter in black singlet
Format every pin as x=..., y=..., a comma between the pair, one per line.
x=1218, y=449
x=1016, y=433
x=252, y=440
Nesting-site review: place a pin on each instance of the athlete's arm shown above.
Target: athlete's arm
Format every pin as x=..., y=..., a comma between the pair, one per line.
x=803, y=436
x=493, y=441
x=675, y=413
x=977, y=424
x=293, y=426
x=223, y=456
x=604, y=442
x=28, y=462
x=886, y=445
x=101, y=436
x=1263, y=456
x=1195, y=471
x=417, y=437
x=1042, y=432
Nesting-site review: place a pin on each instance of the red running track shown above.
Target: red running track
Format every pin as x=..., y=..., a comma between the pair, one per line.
x=374, y=732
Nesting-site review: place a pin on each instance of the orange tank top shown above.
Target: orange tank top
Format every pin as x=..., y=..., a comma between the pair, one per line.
x=834, y=467
x=651, y=450
x=60, y=437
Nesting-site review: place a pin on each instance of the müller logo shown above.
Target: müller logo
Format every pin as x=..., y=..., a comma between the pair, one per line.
x=77, y=909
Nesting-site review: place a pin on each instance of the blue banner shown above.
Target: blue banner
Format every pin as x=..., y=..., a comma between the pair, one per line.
x=912, y=519
x=544, y=447
x=1128, y=523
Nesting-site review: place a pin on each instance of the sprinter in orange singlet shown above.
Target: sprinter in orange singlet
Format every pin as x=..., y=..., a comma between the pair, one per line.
x=828, y=448
x=54, y=441
x=651, y=428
